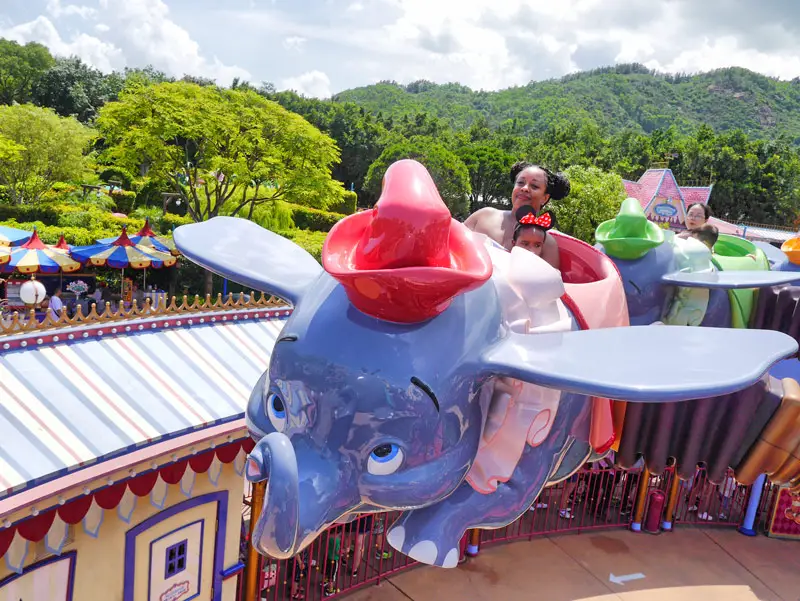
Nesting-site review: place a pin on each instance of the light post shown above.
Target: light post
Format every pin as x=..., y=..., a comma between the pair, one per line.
x=32, y=293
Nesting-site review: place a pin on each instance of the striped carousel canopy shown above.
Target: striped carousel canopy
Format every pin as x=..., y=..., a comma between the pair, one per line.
x=10, y=236
x=122, y=253
x=74, y=403
x=37, y=257
x=146, y=237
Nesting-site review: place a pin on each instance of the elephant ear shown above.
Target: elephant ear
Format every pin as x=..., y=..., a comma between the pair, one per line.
x=640, y=363
x=730, y=280
x=241, y=251
x=775, y=256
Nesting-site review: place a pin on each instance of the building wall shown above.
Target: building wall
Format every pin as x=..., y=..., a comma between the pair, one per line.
x=666, y=209
x=99, y=569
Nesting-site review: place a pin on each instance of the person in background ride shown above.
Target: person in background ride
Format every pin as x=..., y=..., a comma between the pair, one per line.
x=56, y=304
x=696, y=217
x=531, y=231
x=707, y=234
x=534, y=186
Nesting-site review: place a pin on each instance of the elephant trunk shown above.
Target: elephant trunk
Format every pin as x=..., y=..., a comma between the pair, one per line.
x=273, y=458
x=305, y=494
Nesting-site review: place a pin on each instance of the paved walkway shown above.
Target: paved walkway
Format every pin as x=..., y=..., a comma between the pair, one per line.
x=689, y=564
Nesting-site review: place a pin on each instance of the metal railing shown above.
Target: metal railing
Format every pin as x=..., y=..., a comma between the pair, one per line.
x=22, y=323
x=593, y=500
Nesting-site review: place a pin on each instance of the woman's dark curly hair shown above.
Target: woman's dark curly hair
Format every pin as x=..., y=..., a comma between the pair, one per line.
x=557, y=183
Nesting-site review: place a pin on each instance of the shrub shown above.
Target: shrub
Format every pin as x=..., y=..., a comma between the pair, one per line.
x=149, y=193
x=169, y=221
x=124, y=201
x=306, y=218
x=348, y=205
x=116, y=174
x=310, y=241
x=274, y=216
x=74, y=235
x=46, y=213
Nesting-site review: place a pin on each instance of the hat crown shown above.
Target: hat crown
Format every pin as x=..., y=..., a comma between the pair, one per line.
x=407, y=259
x=631, y=222
x=410, y=223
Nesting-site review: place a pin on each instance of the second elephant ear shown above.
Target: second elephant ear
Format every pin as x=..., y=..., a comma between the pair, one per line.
x=730, y=280
x=246, y=253
x=641, y=363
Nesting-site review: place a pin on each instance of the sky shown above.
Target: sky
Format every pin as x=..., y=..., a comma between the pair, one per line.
x=321, y=47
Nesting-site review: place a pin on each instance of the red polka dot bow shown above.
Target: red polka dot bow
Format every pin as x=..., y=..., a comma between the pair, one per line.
x=544, y=221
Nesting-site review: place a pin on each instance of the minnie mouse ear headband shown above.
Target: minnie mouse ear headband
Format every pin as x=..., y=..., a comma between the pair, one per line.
x=527, y=216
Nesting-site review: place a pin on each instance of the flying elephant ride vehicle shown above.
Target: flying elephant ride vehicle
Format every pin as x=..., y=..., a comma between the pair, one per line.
x=426, y=370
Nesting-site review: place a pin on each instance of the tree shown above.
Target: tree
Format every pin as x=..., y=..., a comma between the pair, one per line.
x=37, y=149
x=447, y=170
x=20, y=68
x=225, y=152
x=71, y=87
x=595, y=196
x=489, y=174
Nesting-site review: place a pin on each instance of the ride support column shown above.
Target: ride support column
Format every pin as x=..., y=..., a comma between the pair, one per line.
x=672, y=500
x=748, y=525
x=641, y=500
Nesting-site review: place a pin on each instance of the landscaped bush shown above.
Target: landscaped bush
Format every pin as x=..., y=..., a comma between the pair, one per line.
x=315, y=220
x=77, y=236
x=46, y=213
x=149, y=193
x=118, y=175
x=124, y=201
x=310, y=241
x=170, y=221
x=348, y=204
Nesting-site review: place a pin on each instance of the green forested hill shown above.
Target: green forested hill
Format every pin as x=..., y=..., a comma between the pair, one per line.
x=617, y=98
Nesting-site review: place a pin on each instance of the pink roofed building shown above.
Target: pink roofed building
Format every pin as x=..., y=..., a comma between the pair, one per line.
x=663, y=200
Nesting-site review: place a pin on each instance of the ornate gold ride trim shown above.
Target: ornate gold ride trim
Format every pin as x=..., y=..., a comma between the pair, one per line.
x=21, y=323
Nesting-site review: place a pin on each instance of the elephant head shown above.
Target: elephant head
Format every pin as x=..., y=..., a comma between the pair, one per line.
x=652, y=263
x=375, y=396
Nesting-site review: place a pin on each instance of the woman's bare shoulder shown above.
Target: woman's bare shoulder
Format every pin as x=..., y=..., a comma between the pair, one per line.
x=483, y=219
x=550, y=252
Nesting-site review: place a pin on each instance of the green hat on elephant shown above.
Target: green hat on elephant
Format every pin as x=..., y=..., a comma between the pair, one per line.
x=630, y=234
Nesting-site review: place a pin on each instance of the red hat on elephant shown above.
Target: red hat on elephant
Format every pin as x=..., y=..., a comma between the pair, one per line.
x=406, y=259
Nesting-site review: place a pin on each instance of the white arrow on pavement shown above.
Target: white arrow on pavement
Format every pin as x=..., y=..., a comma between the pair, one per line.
x=625, y=578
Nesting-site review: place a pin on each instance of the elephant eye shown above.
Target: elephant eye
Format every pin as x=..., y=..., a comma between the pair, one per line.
x=276, y=411
x=385, y=459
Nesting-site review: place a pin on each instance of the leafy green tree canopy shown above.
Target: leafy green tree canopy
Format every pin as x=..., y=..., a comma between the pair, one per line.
x=224, y=151
x=447, y=170
x=71, y=87
x=595, y=196
x=489, y=173
x=20, y=68
x=37, y=149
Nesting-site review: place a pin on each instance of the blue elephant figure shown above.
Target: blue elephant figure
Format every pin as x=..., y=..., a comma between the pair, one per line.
x=425, y=370
x=657, y=269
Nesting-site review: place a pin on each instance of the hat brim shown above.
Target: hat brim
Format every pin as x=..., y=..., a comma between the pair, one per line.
x=405, y=294
x=628, y=248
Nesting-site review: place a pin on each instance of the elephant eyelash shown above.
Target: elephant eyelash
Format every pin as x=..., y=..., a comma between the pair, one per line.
x=426, y=389
x=632, y=283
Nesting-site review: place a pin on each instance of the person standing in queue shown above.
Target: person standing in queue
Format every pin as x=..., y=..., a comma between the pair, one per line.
x=534, y=186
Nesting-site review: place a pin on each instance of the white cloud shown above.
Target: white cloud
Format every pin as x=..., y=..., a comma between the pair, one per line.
x=57, y=10
x=487, y=44
x=314, y=84
x=294, y=42
x=131, y=33
x=94, y=51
